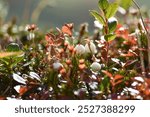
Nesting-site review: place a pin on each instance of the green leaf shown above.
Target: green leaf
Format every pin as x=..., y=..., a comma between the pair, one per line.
x=104, y=84
x=13, y=47
x=111, y=10
x=16, y=60
x=125, y=3
x=112, y=26
x=110, y=37
x=103, y=4
x=98, y=17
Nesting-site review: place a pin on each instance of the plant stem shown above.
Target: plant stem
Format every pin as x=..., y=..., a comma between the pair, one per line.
x=89, y=91
x=147, y=33
x=141, y=58
x=106, y=31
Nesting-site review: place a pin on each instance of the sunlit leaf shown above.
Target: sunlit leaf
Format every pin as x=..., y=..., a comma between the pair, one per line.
x=17, y=60
x=111, y=10
x=67, y=29
x=110, y=37
x=125, y=3
x=103, y=4
x=8, y=54
x=118, y=77
x=98, y=17
x=107, y=73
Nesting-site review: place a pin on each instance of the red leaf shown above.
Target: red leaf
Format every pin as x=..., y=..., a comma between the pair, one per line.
x=50, y=38
x=22, y=90
x=118, y=76
x=67, y=29
x=2, y=98
x=118, y=82
x=107, y=73
x=147, y=92
x=130, y=62
x=129, y=54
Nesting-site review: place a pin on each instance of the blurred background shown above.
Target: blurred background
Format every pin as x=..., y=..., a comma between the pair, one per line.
x=50, y=13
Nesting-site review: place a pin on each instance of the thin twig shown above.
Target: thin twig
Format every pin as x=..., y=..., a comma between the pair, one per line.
x=141, y=57
x=6, y=90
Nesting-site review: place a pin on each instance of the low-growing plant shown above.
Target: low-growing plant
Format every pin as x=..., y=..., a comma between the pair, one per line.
x=112, y=63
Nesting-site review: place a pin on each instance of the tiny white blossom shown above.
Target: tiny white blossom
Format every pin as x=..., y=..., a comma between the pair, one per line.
x=98, y=25
x=133, y=91
x=31, y=36
x=139, y=79
x=26, y=27
x=57, y=65
x=80, y=49
x=90, y=48
x=122, y=10
x=95, y=66
x=19, y=79
x=112, y=19
x=35, y=76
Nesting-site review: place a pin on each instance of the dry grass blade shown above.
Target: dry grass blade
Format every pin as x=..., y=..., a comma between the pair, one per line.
x=7, y=54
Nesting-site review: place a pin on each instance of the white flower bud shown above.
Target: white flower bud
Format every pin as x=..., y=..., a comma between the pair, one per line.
x=57, y=65
x=112, y=19
x=95, y=66
x=90, y=48
x=98, y=25
x=122, y=10
x=31, y=36
x=80, y=49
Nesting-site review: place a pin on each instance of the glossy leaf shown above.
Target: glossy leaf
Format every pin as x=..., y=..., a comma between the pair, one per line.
x=13, y=47
x=112, y=26
x=110, y=37
x=125, y=3
x=103, y=4
x=111, y=10
x=97, y=16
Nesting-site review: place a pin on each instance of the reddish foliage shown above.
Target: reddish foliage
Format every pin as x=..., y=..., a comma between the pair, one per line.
x=67, y=29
